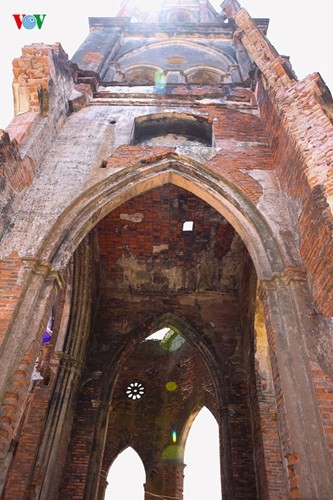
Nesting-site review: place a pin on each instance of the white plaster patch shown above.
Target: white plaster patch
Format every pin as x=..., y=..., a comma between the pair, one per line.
x=281, y=212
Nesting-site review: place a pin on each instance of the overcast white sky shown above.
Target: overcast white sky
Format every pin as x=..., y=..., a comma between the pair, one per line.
x=295, y=29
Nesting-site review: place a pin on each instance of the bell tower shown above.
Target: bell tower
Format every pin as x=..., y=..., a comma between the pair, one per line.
x=166, y=246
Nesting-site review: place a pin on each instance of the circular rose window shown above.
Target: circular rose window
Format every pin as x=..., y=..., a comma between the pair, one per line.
x=135, y=390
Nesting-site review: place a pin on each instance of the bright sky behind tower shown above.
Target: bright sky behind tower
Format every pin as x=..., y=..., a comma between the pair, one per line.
x=295, y=30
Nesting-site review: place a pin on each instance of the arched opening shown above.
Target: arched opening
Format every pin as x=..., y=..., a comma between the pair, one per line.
x=142, y=75
x=137, y=277
x=152, y=271
x=206, y=75
x=126, y=477
x=202, y=459
x=138, y=281
x=161, y=380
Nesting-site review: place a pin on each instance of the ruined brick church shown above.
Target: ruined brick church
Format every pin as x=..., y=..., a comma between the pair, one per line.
x=175, y=176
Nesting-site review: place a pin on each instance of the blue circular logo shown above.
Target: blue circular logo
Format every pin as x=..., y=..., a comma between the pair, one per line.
x=29, y=22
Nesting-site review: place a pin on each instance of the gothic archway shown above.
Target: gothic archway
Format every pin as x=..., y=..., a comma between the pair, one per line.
x=269, y=257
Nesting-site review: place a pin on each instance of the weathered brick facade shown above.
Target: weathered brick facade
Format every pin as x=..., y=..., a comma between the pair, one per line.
x=182, y=116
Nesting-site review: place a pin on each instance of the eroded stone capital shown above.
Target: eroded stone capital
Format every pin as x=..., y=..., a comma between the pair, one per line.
x=43, y=269
x=283, y=279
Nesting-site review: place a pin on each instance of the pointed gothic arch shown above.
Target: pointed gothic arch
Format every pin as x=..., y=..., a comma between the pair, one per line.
x=286, y=270
x=197, y=341
x=91, y=206
x=151, y=325
x=126, y=465
x=202, y=446
x=267, y=254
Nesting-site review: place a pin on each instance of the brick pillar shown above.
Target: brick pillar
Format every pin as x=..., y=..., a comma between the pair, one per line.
x=289, y=321
x=32, y=292
x=167, y=483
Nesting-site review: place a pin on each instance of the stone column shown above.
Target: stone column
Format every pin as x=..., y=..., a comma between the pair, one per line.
x=290, y=323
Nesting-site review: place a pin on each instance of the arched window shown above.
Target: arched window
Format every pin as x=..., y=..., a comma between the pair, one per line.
x=126, y=477
x=143, y=75
x=202, y=459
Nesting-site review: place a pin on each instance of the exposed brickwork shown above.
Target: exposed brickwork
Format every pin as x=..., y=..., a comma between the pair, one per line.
x=324, y=390
x=301, y=133
x=154, y=220
x=118, y=315
x=78, y=456
x=29, y=439
x=264, y=159
x=133, y=423
x=134, y=154
x=315, y=222
x=284, y=436
x=244, y=149
x=32, y=421
x=151, y=227
x=10, y=286
x=15, y=397
x=35, y=70
x=234, y=167
x=19, y=172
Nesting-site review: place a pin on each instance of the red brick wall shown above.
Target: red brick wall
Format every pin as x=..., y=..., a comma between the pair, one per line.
x=315, y=218
x=35, y=408
x=324, y=390
x=126, y=313
x=10, y=291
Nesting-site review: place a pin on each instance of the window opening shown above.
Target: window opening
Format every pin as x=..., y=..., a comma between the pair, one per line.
x=202, y=459
x=126, y=477
x=188, y=225
x=168, y=338
x=135, y=390
x=159, y=334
